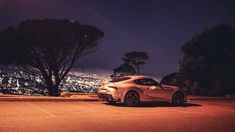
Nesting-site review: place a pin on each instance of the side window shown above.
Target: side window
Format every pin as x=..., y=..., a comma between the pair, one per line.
x=147, y=81
x=140, y=81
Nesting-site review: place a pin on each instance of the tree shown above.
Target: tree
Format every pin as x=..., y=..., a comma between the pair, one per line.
x=132, y=62
x=48, y=47
x=209, y=60
x=136, y=58
x=171, y=79
x=123, y=70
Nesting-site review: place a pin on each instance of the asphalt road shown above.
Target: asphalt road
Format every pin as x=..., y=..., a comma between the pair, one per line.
x=197, y=116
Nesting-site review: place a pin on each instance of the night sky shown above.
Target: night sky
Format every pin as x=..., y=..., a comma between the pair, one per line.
x=159, y=27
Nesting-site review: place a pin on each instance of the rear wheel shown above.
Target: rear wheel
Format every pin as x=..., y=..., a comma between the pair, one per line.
x=131, y=98
x=178, y=99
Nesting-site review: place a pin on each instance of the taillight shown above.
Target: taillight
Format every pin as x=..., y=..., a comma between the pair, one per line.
x=114, y=87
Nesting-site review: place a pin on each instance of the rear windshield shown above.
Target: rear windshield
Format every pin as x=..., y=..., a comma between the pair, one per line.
x=120, y=79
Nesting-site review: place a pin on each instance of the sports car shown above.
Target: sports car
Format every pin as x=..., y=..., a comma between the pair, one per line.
x=132, y=90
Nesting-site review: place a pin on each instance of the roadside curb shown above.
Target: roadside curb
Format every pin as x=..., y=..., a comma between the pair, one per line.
x=74, y=98
x=45, y=100
x=211, y=98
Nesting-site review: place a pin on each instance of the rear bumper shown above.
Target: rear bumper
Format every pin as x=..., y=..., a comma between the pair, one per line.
x=107, y=97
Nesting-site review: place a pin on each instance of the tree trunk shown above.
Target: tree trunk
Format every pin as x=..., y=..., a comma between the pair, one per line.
x=138, y=70
x=53, y=90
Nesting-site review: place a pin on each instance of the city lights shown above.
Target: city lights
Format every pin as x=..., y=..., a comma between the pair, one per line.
x=15, y=81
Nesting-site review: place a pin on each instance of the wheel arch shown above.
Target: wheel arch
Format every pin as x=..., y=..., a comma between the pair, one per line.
x=138, y=91
x=177, y=92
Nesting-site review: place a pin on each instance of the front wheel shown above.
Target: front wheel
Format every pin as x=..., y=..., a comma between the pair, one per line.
x=178, y=99
x=131, y=98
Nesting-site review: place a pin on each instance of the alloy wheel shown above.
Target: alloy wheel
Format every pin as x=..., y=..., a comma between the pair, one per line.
x=131, y=98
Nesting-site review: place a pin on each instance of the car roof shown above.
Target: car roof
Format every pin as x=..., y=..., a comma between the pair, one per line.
x=137, y=76
x=132, y=78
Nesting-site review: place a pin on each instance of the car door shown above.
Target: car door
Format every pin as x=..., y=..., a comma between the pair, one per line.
x=151, y=88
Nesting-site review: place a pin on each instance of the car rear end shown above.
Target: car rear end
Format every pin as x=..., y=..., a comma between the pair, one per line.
x=108, y=92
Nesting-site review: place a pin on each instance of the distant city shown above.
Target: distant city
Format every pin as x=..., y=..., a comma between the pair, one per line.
x=16, y=81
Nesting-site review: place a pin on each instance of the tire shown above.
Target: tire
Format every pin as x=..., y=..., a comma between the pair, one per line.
x=112, y=102
x=178, y=99
x=131, y=98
